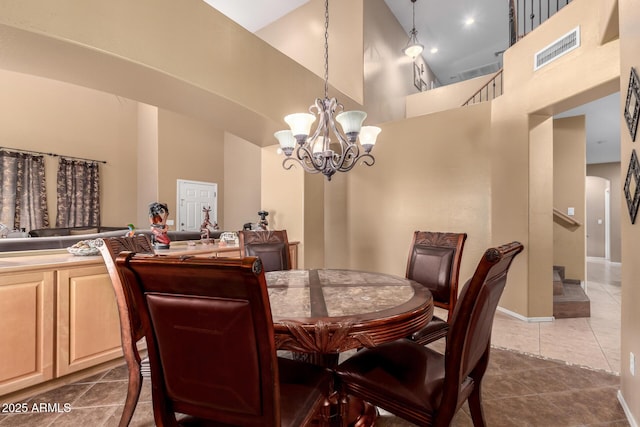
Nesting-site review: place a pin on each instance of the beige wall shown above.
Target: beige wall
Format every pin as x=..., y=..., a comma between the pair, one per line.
x=611, y=171
x=595, y=225
x=388, y=73
x=188, y=149
x=283, y=196
x=431, y=173
x=55, y=117
x=630, y=339
x=195, y=69
x=305, y=42
x=550, y=90
x=336, y=222
x=242, y=173
x=569, y=159
x=386, y=77
x=444, y=98
x=147, y=166
x=538, y=296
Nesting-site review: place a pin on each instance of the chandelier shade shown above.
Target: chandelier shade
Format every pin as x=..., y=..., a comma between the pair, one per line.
x=413, y=47
x=339, y=140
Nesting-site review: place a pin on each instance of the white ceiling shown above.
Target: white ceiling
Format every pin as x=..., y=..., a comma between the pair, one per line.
x=461, y=50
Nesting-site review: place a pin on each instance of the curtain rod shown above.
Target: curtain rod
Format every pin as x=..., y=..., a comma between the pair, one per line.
x=52, y=155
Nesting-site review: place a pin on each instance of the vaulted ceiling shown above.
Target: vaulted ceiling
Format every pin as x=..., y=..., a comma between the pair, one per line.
x=465, y=50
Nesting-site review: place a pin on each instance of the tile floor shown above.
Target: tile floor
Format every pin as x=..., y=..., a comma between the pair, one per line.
x=522, y=387
x=593, y=342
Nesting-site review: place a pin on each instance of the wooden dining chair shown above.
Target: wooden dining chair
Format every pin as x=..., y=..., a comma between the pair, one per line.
x=421, y=385
x=211, y=345
x=130, y=326
x=272, y=246
x=434, y=262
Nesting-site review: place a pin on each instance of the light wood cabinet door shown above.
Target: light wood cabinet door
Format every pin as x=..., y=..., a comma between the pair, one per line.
x=26, y=330
x=88, y=327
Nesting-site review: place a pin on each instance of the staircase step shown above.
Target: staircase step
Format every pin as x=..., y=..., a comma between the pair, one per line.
x=557, y=283
x=572, y=303
x=560, y=270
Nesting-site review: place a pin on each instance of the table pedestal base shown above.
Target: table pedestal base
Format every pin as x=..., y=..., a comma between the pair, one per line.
x=360, y=413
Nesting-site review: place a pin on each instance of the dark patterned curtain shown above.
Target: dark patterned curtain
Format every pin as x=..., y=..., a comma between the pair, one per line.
x=23, y=194
x=78, y=193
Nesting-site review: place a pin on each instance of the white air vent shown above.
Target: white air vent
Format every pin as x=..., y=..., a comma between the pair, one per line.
x=555, y=50
x=480, y=71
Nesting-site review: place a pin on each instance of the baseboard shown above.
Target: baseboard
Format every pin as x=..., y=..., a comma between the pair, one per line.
x=627, y=411
x=525, y=319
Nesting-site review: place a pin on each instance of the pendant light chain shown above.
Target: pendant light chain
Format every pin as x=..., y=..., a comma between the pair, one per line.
x=326, y=49
x=414, y=13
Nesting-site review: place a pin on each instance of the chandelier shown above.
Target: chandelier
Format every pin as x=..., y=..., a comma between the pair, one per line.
x=413, y=47
x=318, y=152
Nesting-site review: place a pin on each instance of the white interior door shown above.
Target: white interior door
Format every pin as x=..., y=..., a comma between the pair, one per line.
x=193, y=196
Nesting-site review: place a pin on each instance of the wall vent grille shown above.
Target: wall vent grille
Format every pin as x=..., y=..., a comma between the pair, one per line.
x=479, y=71
x=558, y=48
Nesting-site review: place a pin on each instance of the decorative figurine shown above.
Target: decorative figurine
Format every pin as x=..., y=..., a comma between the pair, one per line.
x=263, y=223
x=158, y=213
x=131, y=231
x=206, y=225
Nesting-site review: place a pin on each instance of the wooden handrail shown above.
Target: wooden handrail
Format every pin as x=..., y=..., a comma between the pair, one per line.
x=566, y=218
x=497, y=90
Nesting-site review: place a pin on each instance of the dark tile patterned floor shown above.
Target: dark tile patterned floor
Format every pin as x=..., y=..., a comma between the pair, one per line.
x=518, y=391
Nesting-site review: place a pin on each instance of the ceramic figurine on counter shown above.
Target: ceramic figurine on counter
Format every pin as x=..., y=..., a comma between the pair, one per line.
x=207, y=226
x=263, y=223
x=158, y=213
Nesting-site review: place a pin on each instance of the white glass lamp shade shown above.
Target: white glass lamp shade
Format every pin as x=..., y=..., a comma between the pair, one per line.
x=368, y=137
x=300, y=124
x=351, y=122
x=286, y=140
x=413, y=50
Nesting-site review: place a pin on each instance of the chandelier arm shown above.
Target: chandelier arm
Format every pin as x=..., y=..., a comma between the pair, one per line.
x=305, y=156
x=350, y=154
x=365, y=159
x=346, y=148
x=293, y=161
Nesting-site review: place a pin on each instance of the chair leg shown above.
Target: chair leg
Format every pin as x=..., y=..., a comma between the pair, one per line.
x=475, y=398
x=325, y=413
x=133, y=394
x=475, y=407
x=343, y=409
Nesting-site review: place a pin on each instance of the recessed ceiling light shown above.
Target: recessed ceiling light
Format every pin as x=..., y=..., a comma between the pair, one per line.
x=434, y=50
x=469, y=21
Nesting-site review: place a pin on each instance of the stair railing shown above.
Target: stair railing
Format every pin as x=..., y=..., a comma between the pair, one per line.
x=491, y=90
x=567, y=221
x=526, y=15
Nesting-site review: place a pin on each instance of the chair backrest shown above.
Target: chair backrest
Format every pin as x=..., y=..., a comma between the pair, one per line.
x=209, y=336
x=272, y=246
x=469, y=336
x=110, y=247
x=434, y=261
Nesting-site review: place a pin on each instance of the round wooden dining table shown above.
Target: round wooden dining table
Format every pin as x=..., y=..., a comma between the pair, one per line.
x=318, y=314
